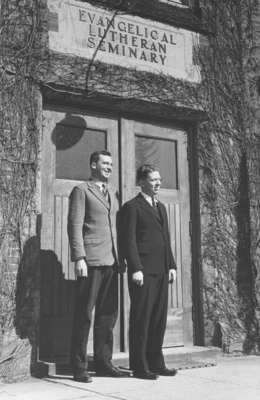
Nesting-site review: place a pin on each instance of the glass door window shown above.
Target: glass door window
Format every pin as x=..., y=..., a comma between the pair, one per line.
x=161, y=153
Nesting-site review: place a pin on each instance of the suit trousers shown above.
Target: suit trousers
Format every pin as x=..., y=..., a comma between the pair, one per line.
x=147, y=324
x=99, y=290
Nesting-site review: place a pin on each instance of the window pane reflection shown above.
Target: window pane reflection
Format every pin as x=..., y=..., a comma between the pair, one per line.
x=74, y=144
x=160, y=152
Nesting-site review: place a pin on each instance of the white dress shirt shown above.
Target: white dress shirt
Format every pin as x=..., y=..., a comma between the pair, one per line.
x=149, y=199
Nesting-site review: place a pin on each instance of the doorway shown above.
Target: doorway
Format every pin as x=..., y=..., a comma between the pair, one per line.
x=69, y=137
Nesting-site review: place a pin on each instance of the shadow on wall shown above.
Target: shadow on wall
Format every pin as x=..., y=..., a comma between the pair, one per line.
x=246, y=271
x=44, y=310
x=28, y=308
x=243, y=334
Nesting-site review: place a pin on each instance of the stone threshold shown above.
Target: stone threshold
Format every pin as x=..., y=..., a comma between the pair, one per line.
x=178, y=357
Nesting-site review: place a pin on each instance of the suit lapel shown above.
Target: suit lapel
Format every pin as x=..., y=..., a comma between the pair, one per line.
x=96, y=191
x=148, y=208
x=164, y=220
x=161, y=212
x=111, y=194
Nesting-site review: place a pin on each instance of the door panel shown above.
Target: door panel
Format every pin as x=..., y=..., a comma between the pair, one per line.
x=174, y=330
x=68, y=140
x=167, y=149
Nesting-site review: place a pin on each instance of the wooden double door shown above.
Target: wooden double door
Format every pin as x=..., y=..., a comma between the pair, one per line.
x=69, y=137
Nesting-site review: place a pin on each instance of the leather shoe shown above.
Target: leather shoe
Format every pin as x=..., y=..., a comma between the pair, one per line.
x=145, y=375
x=111, y=371
x=85, y=378
x=166, y=371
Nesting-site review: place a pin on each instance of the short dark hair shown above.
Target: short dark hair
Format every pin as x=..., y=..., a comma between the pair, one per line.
x=143, y=171
x=94, y=157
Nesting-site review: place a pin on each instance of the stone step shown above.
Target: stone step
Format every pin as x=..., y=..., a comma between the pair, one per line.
x=191, y=357
x=178, y=357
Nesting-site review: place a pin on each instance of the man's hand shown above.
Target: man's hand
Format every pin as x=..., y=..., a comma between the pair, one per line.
x=81, y=268
x=138, y=278
x=172, y=275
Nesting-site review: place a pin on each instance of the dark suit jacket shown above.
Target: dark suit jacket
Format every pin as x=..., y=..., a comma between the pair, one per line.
x=92, y=225
x=145, y=241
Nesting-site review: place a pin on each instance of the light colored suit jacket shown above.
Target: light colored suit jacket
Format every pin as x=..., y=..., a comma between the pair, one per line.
x=92, y=225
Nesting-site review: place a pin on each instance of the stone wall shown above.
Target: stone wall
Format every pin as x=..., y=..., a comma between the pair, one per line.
x=20, y=110
x=254, y=172
x=230, y=177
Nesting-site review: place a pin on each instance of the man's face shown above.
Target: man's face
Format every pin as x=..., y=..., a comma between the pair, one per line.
x=102, y=169
x=151, y=185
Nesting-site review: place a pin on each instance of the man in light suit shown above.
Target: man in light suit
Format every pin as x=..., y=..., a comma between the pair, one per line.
x=92, y=235
x=146, y=247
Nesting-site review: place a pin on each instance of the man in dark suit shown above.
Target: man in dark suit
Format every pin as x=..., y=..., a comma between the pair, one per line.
x=92, y=236
x=146, y=247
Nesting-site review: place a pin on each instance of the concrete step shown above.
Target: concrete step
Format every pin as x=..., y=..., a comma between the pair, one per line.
x=191, y=357
x=178, y=357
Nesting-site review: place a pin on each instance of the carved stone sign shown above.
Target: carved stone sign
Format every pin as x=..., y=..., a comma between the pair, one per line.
x=79, y=28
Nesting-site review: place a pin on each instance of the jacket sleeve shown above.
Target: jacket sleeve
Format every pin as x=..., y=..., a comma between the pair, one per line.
x=128, y=222
x=76, y=218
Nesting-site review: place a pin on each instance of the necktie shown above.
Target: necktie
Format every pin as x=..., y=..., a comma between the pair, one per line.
x=154, y=202
x=104, y=189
